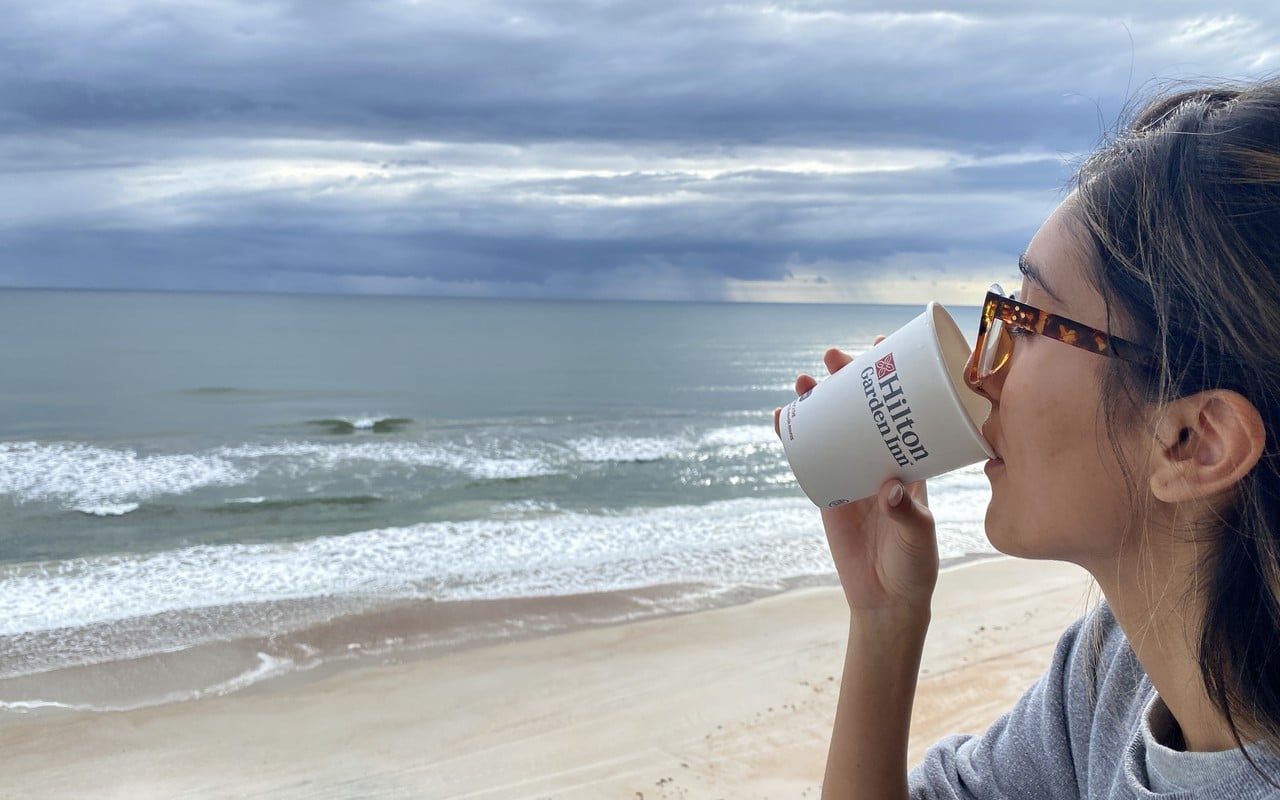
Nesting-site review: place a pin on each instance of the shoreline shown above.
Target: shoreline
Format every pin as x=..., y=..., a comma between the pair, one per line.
x=729, y=701
x=367, y=634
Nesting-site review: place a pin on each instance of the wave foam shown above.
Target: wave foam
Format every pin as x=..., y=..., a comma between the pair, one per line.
x=110, y=482
x=268, y=666
x=734, y=440
x=108, y=509
x=98, y=480
x=362, y=424
x=600, y=449
x=298, y=457
x=731, y=542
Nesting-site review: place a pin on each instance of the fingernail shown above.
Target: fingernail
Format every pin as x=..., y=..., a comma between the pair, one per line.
x=895, y=495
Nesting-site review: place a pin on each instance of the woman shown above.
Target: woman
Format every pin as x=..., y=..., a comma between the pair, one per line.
x=1146, y=453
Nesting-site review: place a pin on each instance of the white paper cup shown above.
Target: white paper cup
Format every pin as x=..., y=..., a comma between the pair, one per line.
x=901, y=409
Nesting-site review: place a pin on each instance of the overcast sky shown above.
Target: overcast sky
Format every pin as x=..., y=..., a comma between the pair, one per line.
x=670, y=149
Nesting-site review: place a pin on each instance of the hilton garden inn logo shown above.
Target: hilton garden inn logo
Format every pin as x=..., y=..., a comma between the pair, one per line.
x=891, y=413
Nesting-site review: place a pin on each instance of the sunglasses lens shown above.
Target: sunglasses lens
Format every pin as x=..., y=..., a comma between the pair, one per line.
x=996, y=348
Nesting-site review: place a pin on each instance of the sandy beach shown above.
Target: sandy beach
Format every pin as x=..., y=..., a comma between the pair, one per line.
x=733, y=702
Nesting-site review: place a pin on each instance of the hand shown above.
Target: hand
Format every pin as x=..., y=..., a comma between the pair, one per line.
x=885, y=547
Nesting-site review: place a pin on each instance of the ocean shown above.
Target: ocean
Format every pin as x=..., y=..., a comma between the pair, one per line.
x=201, y=492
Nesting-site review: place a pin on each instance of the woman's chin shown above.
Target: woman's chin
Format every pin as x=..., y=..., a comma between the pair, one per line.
x=1008, y=538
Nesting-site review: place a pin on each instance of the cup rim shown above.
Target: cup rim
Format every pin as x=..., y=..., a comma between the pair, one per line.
x=935, y=313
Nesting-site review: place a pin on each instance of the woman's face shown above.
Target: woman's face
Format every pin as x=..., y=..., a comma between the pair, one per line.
x=1057, y=489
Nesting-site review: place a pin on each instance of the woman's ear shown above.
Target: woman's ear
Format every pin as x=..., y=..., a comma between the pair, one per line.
x=1205, y=444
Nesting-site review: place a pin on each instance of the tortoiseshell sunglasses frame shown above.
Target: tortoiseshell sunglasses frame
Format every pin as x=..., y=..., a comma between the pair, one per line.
x=1015, y=313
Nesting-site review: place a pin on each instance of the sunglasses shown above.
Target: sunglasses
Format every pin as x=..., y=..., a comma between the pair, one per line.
x=1004, y=318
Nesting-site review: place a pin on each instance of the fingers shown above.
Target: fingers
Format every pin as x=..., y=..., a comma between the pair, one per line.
x=804, y=383
x=835, y=358
x=919, y=491
x=906, y=504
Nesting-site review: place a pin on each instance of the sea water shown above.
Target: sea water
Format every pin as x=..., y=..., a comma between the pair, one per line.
x=200, y=491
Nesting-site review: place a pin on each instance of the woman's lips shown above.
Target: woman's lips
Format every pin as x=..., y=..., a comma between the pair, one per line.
x=996, y=459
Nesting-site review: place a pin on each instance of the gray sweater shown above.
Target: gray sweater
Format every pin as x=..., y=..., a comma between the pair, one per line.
x=1064, y=740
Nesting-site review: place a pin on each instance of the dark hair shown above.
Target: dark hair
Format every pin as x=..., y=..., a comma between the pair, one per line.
x=1183, y=207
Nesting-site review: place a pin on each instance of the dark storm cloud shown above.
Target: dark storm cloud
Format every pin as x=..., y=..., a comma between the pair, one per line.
x=509, y=147
x=566, y=70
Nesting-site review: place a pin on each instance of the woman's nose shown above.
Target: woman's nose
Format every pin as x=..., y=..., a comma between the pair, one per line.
x=989, y=386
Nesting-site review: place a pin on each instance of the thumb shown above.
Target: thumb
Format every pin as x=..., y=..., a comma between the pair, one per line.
x=913, y=517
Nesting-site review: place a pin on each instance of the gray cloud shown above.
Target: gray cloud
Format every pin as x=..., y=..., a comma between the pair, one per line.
x=623, y=71
x=563, y=147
